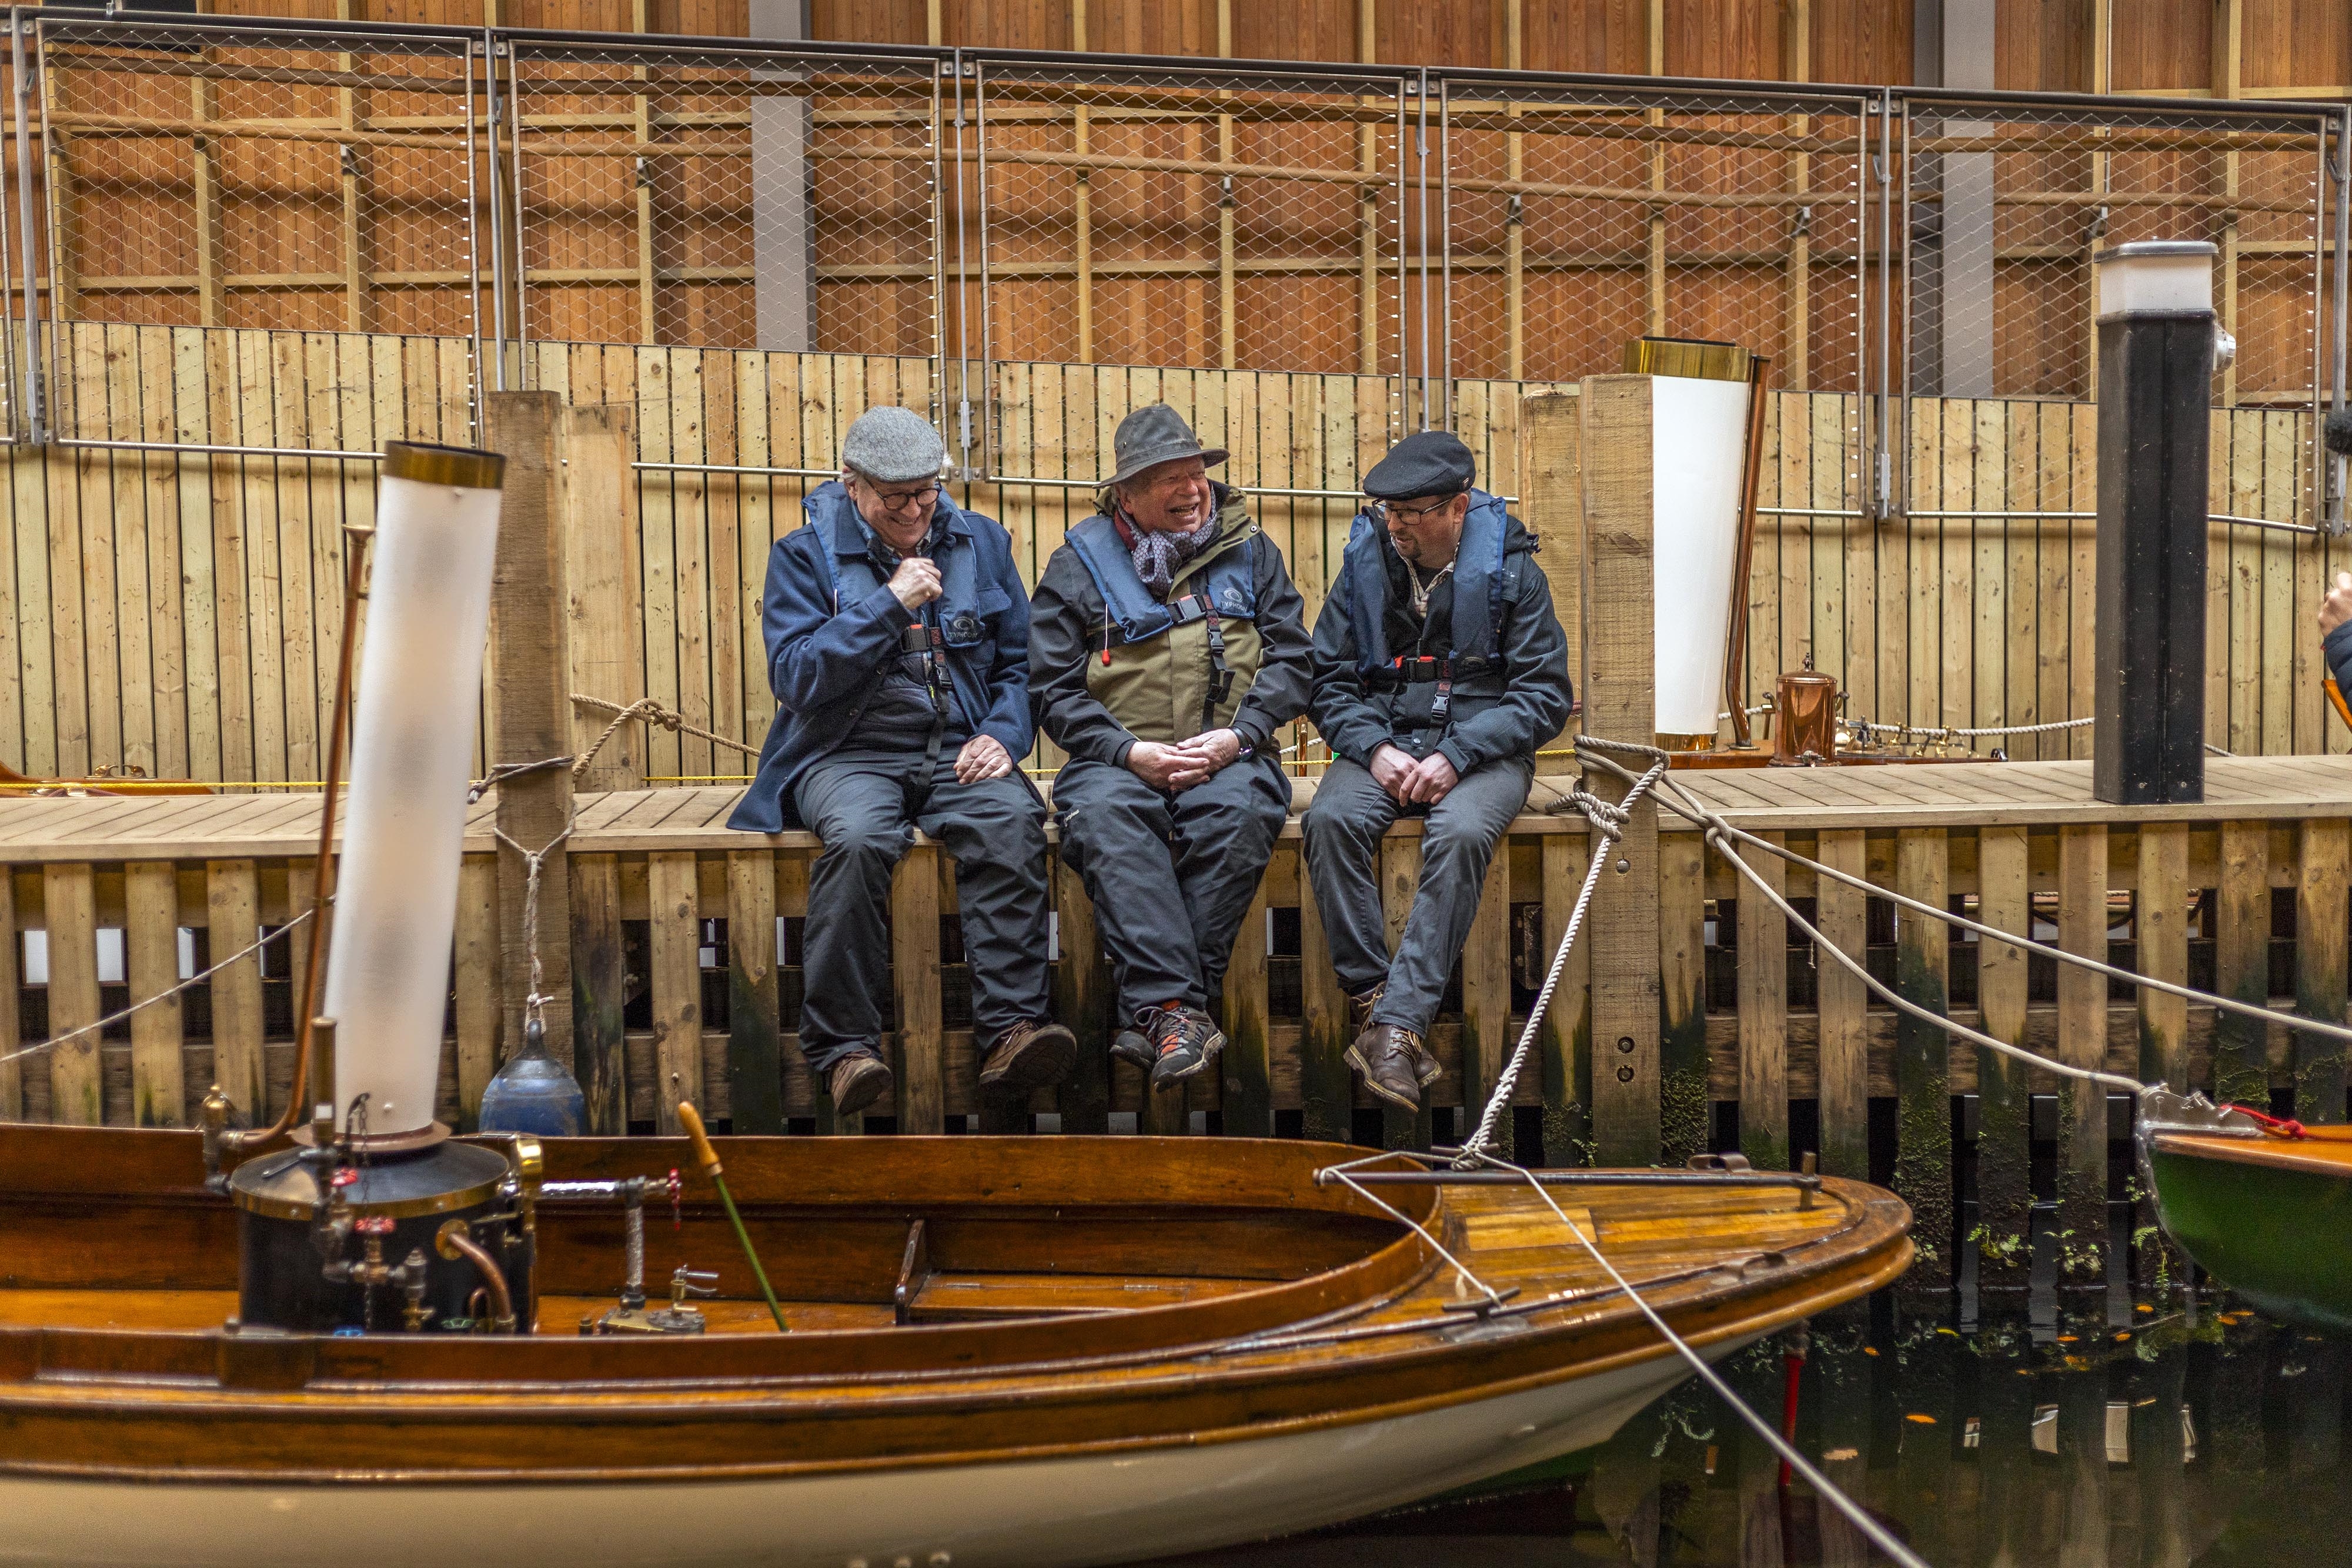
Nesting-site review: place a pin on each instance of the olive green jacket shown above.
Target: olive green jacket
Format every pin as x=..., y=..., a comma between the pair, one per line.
x=1155, y=690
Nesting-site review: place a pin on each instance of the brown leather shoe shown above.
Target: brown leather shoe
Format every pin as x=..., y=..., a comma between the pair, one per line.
x=1360, y=1008
x=857, y=1080
x=1026, y=1056
x=1393, y=1065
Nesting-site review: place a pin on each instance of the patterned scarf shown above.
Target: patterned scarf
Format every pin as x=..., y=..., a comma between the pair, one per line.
x=1160, y=555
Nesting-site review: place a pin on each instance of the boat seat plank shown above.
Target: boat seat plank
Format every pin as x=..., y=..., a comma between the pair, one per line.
x=959, y=1298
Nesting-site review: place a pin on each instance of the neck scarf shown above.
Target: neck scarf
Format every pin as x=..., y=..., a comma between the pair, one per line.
x=1160, y=555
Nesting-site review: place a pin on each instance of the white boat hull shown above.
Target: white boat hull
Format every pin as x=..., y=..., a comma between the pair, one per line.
x=1048, y=1513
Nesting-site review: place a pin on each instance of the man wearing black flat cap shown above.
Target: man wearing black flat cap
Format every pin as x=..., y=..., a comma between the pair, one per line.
x=1166, y=646
x=1439, y=669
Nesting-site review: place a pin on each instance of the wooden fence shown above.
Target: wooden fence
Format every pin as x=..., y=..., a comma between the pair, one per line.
x=175, y=612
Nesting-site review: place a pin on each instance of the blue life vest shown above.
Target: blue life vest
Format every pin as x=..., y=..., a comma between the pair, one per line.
x=950, y=620
x=1225, y=588
x=1472, y=663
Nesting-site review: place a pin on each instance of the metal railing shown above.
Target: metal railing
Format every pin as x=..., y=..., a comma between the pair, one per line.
x=521, y=189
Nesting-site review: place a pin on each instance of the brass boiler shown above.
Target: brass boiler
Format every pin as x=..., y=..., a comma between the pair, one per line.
x=1804, y=728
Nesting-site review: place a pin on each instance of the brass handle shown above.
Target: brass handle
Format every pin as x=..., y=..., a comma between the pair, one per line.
x=704, y=1154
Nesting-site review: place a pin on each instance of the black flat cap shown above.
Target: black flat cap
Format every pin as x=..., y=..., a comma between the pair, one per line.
x=1427, y=462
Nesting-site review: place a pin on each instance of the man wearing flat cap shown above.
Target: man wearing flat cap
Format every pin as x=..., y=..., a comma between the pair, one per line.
x=1166, y=648
x=897, y=635
x=1439, y=669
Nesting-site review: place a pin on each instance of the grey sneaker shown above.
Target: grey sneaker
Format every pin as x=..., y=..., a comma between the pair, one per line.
x=857, y=1080
x=1183, y=1041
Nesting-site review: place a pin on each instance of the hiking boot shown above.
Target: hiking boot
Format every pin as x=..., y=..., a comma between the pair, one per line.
x=1129, y=1045
x=856, y=1081
x=1183, y=1041
x=1360, y=1008
x=1028, y=1056
x=1390, y=1060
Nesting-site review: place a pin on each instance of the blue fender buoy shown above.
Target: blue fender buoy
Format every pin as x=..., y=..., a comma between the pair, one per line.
x=534, y=1092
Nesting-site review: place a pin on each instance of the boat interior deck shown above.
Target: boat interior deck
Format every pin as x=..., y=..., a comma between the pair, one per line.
x=117, y=828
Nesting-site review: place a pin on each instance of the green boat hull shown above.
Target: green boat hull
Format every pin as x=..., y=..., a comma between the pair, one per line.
x=2281, y=1239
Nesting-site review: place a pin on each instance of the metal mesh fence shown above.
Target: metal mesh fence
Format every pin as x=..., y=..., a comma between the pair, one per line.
x=730, y=199
x=211, y=175
x=1195, y=219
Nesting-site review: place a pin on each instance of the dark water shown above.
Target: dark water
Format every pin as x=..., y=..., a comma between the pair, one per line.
x=2129, y=1434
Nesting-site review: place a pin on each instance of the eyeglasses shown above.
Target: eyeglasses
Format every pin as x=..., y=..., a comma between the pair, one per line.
x=899, y=501
x=1389, y=511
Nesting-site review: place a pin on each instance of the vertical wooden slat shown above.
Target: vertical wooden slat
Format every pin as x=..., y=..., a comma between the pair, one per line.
x=2323, y=868
x=1400, y=880
x=674, y=900
x=2083, y=1043
x=1763, y=1013
x=755, y=1084
x=915, y=980
x=481, y=973
x=2242, y=965
x=2160, y=928
x=1325, y=1087
x=151, y=941
x=604, y=596
x=1922, y=1151
x=599, y=991
x=12, y=1073
x=1248, y=1108
x=2004, y=1087
x=1842, y=1001
x=1564, y=1043
x=70, y=900
x=1083, y=1001
x=1683, y=1104
x=1487, y=1003
x=233, y=906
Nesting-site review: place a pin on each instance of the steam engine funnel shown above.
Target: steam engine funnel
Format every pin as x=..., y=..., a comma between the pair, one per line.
x=412, y=727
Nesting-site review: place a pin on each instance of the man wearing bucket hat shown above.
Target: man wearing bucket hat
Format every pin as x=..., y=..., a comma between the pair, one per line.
x=1439, y=669
x=897, y=635
x=1168, y=646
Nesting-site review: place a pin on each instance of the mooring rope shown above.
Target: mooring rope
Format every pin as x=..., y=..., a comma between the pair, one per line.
x=534, y=1003
x=652, y=712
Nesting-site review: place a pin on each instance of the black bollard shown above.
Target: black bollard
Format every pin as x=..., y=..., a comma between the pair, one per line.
x=2156, y=341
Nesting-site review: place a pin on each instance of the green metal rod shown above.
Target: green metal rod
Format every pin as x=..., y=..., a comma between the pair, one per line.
x=708, y=1158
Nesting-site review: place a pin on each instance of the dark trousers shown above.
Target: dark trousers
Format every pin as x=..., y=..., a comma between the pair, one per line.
x=995, y=831
x=1344, y=826
x=1171, y=875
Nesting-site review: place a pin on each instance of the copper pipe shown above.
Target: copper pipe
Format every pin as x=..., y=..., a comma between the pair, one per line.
x=455, y=1241
x=323, y=870
x=1735, y=653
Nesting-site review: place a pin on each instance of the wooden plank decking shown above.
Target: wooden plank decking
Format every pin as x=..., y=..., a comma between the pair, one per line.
x=1959, y=794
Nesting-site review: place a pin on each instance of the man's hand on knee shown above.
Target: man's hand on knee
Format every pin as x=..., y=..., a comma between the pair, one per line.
x=1390, y=766
x=1155, y=764
x=983, y=757
x=1203, y=757
x=1430, y=780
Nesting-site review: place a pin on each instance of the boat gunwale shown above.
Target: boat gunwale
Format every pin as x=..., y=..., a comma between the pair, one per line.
x=2317, y=1158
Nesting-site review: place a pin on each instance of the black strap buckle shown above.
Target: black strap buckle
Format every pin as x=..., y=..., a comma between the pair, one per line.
x=1221, y=675
x=1190, y=608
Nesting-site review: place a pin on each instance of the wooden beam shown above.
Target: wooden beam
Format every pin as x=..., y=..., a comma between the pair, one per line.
x=1228, y=353
x=1368, y=212
x=1657, y=292
x=2083, y=1043
x=1515, y=301
x=1923, y=1158
x=2229, y=72
x=351, y=107
x=1796, y=365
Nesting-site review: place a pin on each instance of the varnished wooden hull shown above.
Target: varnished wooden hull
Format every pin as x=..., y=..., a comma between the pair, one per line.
x=2265, y=1217
x=1304, y=1366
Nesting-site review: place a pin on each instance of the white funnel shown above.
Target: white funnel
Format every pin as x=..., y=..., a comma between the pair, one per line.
x=1698, y=435
x=418, y=696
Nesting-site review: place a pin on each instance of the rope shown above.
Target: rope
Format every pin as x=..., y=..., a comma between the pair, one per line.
x=1609, y=820
x=534, y=1003
x=505, y=771
x=651, y=712
x=1341, y=1173
x=113, y=1018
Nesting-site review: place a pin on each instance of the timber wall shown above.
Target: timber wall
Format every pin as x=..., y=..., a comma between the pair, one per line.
x=177, y=611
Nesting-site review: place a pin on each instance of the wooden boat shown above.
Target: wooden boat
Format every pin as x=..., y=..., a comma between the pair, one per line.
x=2262, y=1205
x=1002, y=1351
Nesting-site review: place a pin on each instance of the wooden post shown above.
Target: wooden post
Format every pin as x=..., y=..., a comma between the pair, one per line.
x=2004, y=1086
x=599, y=991
x=12, y=1073
x=2160, y=930
x=1083, y=1000
x=1621, y=703
x=1564, y=1043
x=1922, y=1150
x=233, y=920
x=1550, y=438
x=1844, y=1002
x=70, y=903
x=2242, y=965
x=1683, y=1102
x=674, y=900
x=915, y=979
x=1248, y=1107
x=1486, y=1004
x=755, y=1080
x=2322, y=865
x=1400, y=881
x=1326, y=1091
x=2083, y=1043
x=151, y=965
x=1763, y=944
x=530, y=709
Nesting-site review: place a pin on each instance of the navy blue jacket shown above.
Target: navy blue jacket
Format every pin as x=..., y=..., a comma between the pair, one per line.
x=823, y=659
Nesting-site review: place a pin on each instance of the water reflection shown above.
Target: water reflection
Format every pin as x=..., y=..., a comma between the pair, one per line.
x=2145, y=1435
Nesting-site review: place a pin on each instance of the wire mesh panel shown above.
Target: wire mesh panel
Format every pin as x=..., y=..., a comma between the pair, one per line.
x=215, y=175
x=1579, y=220
x=728, y=199
x=1194, y=219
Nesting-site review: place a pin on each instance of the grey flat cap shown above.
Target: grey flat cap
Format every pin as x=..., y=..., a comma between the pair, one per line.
x=1426, y=463
x=893, y=446
x=1156, y=434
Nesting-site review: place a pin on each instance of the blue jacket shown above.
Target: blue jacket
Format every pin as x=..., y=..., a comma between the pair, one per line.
x=823, y=656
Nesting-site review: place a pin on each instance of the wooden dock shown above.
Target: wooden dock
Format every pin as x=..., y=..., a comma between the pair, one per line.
x=1760, y=1043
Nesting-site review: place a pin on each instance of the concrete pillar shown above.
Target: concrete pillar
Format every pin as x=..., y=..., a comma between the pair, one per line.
x=783, y=225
